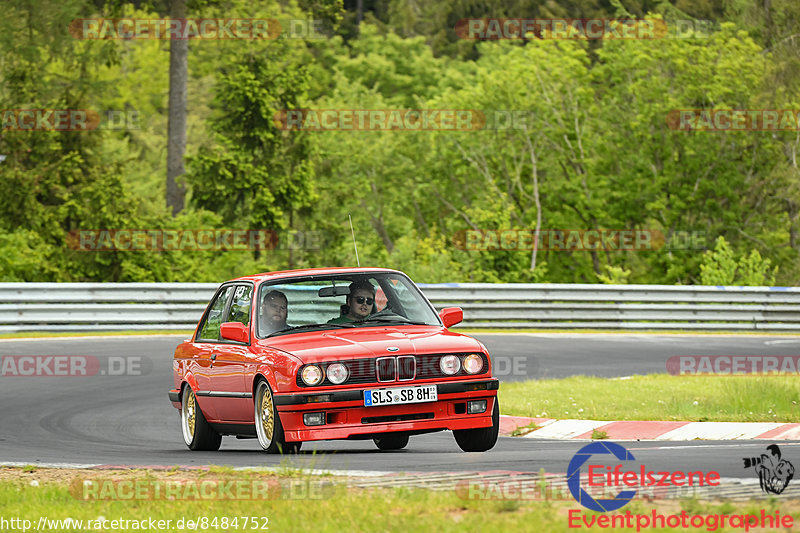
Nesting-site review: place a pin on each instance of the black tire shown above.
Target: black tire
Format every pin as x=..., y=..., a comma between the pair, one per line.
x=269, y=429
x=197, y=433
x=481, y=439
x=397, y=441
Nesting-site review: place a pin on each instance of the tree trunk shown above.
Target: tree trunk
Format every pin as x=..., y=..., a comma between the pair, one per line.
x=535, y=175
x=291, y=244
x=377, y=221
x=176, y=123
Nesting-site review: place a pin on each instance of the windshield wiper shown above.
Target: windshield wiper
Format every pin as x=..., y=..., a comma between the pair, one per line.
x=310, y=326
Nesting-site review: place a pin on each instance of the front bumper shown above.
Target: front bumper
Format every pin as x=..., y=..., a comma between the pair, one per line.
x=347, y=417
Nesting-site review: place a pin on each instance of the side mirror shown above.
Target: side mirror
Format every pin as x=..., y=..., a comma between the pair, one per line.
x=234, y=331
x=451, y=316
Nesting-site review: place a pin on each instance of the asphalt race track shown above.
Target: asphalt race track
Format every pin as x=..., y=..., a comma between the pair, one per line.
x=128, y=420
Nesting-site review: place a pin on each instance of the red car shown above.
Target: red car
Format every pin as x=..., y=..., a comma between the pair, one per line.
x=341, y=353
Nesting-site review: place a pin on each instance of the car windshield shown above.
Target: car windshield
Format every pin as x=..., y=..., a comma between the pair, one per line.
x=325, y=302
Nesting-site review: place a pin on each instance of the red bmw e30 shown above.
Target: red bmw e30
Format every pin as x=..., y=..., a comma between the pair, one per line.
x=340, y=353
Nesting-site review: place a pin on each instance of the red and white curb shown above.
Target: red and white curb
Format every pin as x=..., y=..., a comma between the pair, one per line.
x=551, y=428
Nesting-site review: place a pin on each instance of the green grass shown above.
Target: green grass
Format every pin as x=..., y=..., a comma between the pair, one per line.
x=342, y=509
x=351, y=510
x=656, y=397
x=524, y=430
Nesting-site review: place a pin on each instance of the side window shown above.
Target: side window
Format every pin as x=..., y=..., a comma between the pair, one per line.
x=209, y=331
x=240, y=307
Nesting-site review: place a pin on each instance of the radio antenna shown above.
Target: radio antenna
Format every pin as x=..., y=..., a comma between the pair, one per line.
x=354, y=238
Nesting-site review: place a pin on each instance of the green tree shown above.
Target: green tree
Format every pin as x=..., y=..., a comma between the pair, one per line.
x=255, y=175
x=55, y=181
x=720, y=267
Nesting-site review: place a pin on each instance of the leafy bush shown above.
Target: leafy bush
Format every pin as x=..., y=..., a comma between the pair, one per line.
x=720, y=267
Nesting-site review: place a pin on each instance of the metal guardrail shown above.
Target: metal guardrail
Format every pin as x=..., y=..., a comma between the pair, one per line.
x=178, y=306
x=102, y=306
x=622, y=307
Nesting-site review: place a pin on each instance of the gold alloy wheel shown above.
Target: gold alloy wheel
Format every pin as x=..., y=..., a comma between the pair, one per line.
x=197, y=433
x=191, y=409
x=267, y=420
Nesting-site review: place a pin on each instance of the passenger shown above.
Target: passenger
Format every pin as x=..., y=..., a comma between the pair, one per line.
x=274, y=310
x=359, y=305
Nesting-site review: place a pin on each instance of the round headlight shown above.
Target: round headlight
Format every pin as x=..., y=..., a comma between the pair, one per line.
x=449, y=365
x=473, y=363
x=337, y=373
x=312, y=375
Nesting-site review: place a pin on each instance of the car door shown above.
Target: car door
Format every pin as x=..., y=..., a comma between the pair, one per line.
x=206, y=348
x=233, y=397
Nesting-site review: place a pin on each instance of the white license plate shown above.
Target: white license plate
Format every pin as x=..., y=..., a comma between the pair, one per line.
x=400, y=395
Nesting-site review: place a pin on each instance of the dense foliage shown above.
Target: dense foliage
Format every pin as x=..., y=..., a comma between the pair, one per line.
x=593, y=150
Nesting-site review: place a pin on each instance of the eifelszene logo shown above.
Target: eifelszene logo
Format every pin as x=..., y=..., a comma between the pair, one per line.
x=602, y=478
x=773, y=472
x=574, y=477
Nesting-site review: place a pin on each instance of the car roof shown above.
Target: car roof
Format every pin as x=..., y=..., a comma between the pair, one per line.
x=283, y=274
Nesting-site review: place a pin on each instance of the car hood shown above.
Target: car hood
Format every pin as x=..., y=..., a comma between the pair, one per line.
x=366, y=342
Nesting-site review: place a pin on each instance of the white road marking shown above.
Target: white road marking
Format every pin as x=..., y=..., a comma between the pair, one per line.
x=276, y=469
x=761, y=445
x=71, y=466
x=319, y=472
